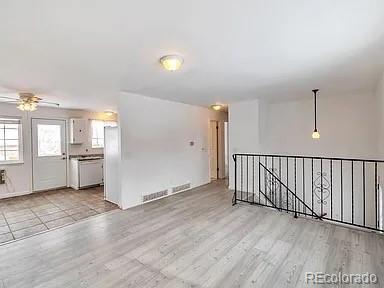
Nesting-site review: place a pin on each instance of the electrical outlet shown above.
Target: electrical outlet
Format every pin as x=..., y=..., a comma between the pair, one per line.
x=2, y=176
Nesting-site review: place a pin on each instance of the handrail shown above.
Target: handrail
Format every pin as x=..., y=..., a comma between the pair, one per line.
x=307, y=157
x=293, y=194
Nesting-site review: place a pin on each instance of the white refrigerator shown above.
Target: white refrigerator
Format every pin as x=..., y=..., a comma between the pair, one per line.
x=112, y=165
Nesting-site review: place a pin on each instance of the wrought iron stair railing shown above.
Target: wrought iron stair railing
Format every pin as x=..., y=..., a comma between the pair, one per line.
x=340, y=190
x=284, y=198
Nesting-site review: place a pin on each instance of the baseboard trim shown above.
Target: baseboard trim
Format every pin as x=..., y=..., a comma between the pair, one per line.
x=15, y=194
x=169, y=195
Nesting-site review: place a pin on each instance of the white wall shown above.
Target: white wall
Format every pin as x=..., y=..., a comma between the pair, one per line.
x=155, y=145
x=20, y=175
x=380, y=99
x=348, y=127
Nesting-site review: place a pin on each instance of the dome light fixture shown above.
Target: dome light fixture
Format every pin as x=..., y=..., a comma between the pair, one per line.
x=315, y=134
x=217, y=107
x=171, y=62
x=109, y=113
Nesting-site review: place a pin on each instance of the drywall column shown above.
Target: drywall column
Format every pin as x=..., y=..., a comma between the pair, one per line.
x=380, y=106
x=243, y=131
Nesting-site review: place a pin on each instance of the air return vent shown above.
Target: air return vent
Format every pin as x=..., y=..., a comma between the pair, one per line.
x=181, y=188
x=155, y=195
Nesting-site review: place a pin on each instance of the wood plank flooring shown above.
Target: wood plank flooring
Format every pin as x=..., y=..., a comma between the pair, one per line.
x=192, y=239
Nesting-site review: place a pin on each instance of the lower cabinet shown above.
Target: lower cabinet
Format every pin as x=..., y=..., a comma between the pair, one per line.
x=86, y=173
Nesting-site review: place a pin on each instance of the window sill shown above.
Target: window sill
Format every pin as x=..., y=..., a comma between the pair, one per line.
x=11, y=163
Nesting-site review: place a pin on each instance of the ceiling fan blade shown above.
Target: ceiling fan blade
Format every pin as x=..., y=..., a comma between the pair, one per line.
x=11, y=98
x=10, y=101
x=49, y=103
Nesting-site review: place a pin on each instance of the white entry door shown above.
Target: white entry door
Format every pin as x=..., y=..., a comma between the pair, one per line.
x=49, y=154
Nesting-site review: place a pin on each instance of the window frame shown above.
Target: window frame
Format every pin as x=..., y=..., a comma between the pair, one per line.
x=20, y=140
x=106, y=123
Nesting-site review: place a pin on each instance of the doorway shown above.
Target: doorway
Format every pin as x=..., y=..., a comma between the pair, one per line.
x=214, y=150
x=381, y=208
x=218, y=149
x=49, y=161
x=226, y=152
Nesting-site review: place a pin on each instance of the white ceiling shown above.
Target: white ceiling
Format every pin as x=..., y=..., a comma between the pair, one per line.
x=82, y=53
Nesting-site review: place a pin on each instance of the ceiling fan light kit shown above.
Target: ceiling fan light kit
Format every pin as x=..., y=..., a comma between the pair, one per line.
x=28, y=101
x=27, y=106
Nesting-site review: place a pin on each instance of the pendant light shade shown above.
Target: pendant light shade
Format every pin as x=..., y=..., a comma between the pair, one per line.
x=315, y=134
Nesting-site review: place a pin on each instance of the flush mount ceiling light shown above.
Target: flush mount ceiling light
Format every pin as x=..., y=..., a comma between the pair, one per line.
x=217, y=107
x=27, y=101
x=315, y=134
x=109, y=113
x=171, y=62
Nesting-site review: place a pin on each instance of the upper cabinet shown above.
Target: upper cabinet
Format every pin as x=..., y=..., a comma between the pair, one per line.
x=77, y=131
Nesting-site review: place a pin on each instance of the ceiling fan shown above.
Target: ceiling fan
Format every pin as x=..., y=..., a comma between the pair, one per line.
x=27, y=101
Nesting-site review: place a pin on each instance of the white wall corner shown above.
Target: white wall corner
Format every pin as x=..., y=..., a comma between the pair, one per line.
x=156, y=148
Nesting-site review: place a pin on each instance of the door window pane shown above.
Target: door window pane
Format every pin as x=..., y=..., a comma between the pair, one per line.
x=49, y=140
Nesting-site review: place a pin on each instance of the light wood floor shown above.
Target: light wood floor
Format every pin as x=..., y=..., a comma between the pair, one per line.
x=192, y=239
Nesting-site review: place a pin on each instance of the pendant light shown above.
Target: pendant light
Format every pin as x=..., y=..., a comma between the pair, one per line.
x=315, y=134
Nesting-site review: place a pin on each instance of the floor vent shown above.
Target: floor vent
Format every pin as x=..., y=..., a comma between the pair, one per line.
x=155, y=195
x=181, y=188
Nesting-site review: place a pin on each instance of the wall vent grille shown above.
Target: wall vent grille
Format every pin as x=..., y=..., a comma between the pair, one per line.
x=155, y=195
x=181, y=188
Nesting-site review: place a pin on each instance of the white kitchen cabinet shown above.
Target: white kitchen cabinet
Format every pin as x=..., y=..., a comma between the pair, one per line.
x=91, y=173
x=86, y=173
x=77, y=131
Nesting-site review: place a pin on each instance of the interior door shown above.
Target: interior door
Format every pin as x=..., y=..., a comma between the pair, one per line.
x=49, y=154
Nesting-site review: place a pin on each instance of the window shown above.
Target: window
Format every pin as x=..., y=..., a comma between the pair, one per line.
x=98, y=132
x=49, y=140
x=10, y=141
